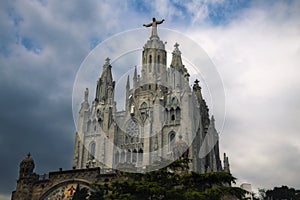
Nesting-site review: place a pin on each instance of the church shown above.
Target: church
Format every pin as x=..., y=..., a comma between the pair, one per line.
x=164, y=119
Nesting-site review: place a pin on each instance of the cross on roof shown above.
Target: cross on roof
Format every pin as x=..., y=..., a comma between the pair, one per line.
x=107, y=60
x=196, y=81
x=176, y=45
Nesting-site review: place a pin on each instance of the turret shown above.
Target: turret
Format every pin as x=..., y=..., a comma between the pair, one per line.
x=176, y=59
x=197, y=90
x=203, y=106
x=26, y=179
x=26, y=167
x=105, y=85
x=226, y=164
x=127, y=93
x=135, y=79
x=104, y=100
x=213, y=147
x=179, y=74
x=85, y=104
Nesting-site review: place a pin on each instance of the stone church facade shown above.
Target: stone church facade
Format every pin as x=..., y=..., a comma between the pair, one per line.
x=164, y=118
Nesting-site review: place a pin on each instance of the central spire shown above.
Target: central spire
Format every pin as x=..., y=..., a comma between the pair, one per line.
x=154, y=24
x=154, y=57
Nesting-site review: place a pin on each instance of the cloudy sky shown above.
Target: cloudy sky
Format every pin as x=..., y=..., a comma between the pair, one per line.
x=254, y=45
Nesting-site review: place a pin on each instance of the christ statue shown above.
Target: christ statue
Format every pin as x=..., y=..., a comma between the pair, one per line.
x=154, y=24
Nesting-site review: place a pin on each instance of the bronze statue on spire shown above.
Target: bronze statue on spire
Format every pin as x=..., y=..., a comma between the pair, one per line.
x=154, y=24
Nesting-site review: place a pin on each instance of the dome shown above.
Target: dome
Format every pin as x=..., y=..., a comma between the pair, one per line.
x=27, y=165
x=27, y=159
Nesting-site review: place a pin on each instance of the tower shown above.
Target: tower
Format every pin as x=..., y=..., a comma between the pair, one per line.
x=154, y=58
x=26, y=179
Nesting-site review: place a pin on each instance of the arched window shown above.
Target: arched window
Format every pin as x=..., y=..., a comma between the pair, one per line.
x=128, y=156
x=172, y=114
x=92, y=150
x=167, y=115
x=150, y=63
x=171, y=141
x=140, y=155
x=174, y=101
x=122, y=157
x=177, y=113
x=144, y=105
x=158, y=63
x=134, y=155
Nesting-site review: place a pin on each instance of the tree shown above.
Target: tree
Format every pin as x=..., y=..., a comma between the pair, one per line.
x=81, y=194
x=167, y=183
x=282, y=192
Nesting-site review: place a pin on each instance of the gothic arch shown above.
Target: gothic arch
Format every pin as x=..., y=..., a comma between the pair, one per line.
x=174, y=101
x=172, y=114
x=134, y=156
x=178, y=113
x=92, y=150
x=150, y=63
x=140, y=155
x=158, y=63
x=171, y=140
x=144, y=105
x=65, y=182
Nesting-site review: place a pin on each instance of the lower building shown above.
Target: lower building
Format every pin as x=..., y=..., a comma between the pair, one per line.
x=58, y=185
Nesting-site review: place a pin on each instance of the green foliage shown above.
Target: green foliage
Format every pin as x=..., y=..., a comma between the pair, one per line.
x=80, y=194
x=282, y=192
x=169, y=183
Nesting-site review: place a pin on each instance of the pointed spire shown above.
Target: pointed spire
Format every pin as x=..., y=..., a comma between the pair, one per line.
x=85, y=104
x=86, y=95
x=212, y=121
x=176, y=59
x=28, y=155
x=105, y=85
x=226, y=164
x=176, y=50
x=107, y=63
x=135, y=78
x=196, y=86
x=127, y=93
x=127, y=83
x=135, y=73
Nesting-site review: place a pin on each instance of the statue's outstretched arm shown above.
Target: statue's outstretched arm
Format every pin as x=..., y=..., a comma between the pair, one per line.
x=159, y=22
x=148, y=25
